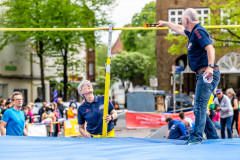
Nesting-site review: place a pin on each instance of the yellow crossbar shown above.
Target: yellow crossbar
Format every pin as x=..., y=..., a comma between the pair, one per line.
x=106, y=29
x=52, y=29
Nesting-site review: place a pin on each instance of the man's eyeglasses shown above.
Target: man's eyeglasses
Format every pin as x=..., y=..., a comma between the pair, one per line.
x=86, y=85
x=18, y=99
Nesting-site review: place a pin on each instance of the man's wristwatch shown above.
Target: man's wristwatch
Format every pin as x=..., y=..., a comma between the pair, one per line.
x=211, y=65
x=112, y=117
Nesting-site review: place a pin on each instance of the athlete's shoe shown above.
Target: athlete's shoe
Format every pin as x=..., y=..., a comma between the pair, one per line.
x=192, y=142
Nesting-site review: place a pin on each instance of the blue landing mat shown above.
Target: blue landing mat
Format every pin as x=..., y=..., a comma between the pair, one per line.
x=34, y=148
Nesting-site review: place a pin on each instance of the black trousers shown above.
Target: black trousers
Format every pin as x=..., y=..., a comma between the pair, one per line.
x=235, y=119
x=55, y=133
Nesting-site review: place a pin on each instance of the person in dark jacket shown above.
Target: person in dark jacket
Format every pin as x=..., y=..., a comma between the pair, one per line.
x=42, y=110
x=60, y=105
x=234, y=101
x=115, y=104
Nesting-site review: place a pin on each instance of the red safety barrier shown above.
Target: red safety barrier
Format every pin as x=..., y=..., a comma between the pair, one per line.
x=239, y=125
x=151, y=120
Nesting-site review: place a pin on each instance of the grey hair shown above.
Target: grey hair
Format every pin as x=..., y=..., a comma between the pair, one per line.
x=231, y=91
x=15, y=94
x=80, y=86
x=191, y=14
x=73, y=105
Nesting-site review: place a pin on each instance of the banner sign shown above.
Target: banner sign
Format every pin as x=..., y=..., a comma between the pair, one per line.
x=151, y=120
x=153, y=82
x=37, y=130
x=71, y=127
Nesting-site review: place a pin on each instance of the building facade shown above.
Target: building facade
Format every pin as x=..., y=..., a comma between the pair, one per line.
x=90, y=64
x=17, y=73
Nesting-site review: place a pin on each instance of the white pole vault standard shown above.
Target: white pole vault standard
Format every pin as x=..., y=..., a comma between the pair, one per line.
x=107, y=83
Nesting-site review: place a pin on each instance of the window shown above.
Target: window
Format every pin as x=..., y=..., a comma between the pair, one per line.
x=90, y=69
x=120, y=87
x=174, y=16
x=203, y=15
x=4, y=90
x=225, y=18
x=225, y=15
x=39, y=92
x=230, y=63
x=1, y=95
x=24, y=94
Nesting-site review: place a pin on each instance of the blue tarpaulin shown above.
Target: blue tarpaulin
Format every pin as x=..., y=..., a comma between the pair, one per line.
x=142, y=101
x=34, y=148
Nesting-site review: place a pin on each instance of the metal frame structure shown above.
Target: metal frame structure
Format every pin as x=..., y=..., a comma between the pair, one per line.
x=110, y=30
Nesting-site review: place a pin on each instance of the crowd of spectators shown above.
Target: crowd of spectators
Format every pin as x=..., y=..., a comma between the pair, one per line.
x=4, y=105
x=48, y=114
x=223, y=110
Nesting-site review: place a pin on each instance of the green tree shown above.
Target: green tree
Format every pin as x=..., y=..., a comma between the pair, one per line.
x=100, y=80
x=128, y=66
x=147, y=15
x=146, y=46
x=27, y=14
x=83, y=15
x=54, y=13
x=143, y=41
x=101, y=58
x=101, y=55
x=225, y=12
x=178, y=44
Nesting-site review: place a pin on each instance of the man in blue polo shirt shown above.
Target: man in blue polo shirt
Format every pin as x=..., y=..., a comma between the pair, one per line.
x=13, y=119
x=91, y=111
x=201, y=55
x=176, y=129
